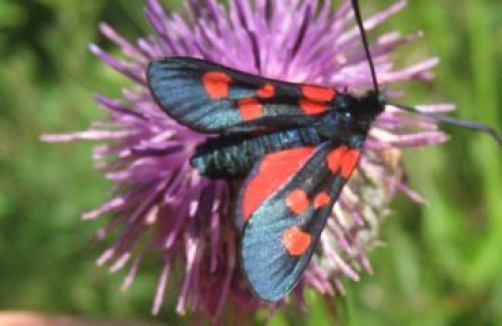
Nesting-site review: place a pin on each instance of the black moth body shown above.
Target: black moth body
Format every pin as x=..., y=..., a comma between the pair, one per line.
x=295, y=145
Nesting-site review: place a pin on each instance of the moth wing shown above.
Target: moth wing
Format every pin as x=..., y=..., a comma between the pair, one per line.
x=285, y=203
x=209, y=97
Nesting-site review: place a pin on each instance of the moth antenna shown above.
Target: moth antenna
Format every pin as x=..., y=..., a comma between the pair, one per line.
x=456, y=122
x=357, y=12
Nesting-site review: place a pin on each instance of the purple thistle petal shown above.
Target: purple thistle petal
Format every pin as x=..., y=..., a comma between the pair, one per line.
x=161, y=288
x=116, y=64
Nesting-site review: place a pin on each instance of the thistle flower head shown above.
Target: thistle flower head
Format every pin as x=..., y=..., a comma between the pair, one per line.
x=161, y=204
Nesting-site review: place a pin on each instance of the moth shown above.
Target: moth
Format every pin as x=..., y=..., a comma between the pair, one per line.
x=294, y=145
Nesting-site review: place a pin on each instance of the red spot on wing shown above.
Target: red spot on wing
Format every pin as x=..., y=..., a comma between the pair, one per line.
x=349, y=162
x=317, y=93
x=343, y=160
x=216, y=84
x=334, y=158
x=310, y=107
x=296, y=241
x=274, y=171
x=266, y=91
x=297, y=201
x=249, y=108
x=321, y=199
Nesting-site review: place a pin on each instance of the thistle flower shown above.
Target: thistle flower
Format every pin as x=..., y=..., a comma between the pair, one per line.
x=162, y=204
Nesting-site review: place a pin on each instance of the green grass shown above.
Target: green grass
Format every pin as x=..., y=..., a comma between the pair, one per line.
x=442, y=262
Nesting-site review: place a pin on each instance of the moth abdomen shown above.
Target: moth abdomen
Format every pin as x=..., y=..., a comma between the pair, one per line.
x=233, y=156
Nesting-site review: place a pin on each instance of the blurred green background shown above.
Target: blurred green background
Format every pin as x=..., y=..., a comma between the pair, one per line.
x=442, y=263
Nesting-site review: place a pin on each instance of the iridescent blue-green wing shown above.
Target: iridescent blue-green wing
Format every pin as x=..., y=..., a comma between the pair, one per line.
x=209, y=97
x=284, y=204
